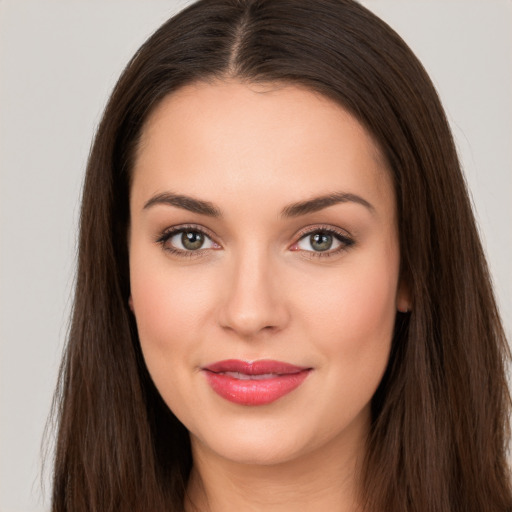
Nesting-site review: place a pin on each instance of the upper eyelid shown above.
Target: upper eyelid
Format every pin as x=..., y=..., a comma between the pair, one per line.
x=168, y=232
x=164, y=236
x=302, y=233
x=326, y=228
x=345, y=238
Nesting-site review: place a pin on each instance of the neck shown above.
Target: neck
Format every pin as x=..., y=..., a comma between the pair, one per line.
x=324, y=480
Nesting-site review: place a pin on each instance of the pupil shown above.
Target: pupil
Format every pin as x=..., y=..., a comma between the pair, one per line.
x=192, y=240
x=321, y=241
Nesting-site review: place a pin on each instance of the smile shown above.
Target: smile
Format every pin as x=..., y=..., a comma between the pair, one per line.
x=254, y=383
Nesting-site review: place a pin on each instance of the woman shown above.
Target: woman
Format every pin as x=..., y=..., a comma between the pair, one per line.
x=282, y=302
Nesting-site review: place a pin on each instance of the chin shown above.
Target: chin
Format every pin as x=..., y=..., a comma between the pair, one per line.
x=260, y=454
x=255, y=445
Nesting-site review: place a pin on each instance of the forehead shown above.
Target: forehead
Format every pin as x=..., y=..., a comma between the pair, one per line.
x=271, y=140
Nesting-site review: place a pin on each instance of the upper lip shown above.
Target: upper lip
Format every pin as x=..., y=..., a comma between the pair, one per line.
x=259, y=367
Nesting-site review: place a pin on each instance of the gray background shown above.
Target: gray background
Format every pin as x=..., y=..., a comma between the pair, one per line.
x=58, y=63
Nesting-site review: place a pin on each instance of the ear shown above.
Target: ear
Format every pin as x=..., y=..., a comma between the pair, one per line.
x=130, y=302
x=403, y=297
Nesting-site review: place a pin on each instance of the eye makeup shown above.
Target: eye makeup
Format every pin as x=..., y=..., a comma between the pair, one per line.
x=192, y=240
x=323, y=237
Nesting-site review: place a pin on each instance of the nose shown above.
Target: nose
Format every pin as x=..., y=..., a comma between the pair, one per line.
x=254, y=301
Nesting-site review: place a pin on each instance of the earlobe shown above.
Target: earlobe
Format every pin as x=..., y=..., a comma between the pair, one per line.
x=130, y=303
x=403, y=298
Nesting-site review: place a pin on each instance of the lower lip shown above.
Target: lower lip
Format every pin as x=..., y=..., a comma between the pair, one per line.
x=253, y=391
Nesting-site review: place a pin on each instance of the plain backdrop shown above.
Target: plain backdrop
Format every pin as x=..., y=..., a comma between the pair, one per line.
x=58, y=62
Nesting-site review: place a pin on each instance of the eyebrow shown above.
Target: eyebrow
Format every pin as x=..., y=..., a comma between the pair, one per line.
x=319, y=203
x=293, y=210
x=185, y=202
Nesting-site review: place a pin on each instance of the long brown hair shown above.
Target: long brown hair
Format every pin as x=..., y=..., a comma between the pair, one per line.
x=440, y=417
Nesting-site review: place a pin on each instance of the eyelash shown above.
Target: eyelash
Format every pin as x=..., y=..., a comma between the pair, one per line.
x=169, y=233
x=345, y=241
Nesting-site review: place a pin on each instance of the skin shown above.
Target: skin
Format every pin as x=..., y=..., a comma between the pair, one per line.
x=258, y=288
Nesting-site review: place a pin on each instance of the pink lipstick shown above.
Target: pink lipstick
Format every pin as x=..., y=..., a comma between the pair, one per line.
x=254, y=383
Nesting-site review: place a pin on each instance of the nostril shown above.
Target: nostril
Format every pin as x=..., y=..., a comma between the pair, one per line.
x=253, y=322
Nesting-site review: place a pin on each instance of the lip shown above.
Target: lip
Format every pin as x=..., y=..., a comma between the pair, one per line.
x=254, y=382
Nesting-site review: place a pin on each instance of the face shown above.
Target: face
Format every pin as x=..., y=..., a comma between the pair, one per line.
x=264, y=268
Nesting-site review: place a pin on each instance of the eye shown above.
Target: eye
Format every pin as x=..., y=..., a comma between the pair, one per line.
x=185, y=240
x=323, y=242
x=319, y=241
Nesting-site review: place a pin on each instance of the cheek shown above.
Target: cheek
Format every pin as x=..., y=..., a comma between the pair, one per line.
x=168, y=306
x=352, y=314
x=168, y=310
x=352, y=322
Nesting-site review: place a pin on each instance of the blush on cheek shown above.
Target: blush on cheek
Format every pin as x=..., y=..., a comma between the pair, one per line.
x=357, y=327
x=167, y=311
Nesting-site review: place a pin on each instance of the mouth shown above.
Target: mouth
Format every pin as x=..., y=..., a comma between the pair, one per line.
x=254, y=382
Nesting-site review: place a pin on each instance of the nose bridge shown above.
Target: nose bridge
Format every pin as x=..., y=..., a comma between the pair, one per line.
x=253, y=302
